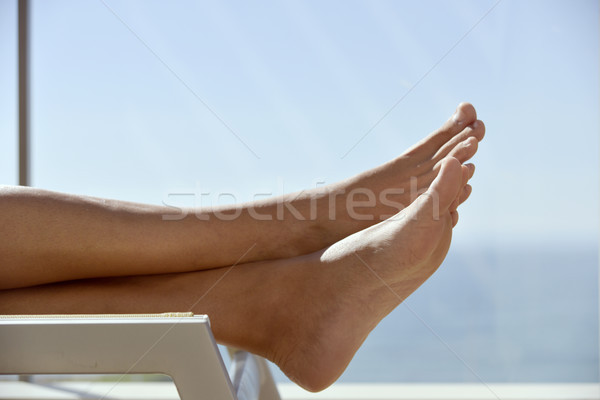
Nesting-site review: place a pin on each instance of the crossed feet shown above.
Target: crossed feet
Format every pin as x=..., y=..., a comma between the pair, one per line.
x=331, y=299
x=310, y=312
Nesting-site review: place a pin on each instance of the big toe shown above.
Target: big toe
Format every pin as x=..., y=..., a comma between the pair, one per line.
x=445, y=188
x=464, y=115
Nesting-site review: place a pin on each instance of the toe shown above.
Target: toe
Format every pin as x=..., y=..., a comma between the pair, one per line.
x=465, y=114
x=454, y=205
x=454, y=216
x=476, y=130
x=465, y=150
x=466, y=174
x=464, y=194
x=463, y=117
x=465, y=190
x=448, y=183
x=471, y=169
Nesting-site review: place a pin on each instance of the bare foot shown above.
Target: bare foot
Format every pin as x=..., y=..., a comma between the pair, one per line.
x=341, y=293
x=410, y=174
x=372, y=196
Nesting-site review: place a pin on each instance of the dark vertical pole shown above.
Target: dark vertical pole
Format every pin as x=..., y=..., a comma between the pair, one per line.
x=23, y=27
x=24, y=92
x=24, y=104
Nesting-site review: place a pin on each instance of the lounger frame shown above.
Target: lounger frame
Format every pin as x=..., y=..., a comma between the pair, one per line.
x=179, y=345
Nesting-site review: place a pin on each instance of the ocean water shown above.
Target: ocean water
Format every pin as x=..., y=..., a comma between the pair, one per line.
x=494, y=315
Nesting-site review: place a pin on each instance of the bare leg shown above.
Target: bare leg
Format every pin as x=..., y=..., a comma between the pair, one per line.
x=49, y=237
x=308, y=314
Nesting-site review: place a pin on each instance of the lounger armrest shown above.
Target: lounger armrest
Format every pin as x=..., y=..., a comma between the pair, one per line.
x=181, y=347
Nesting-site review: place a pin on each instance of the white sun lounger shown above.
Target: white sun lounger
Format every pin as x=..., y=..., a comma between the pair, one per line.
x=180, y=345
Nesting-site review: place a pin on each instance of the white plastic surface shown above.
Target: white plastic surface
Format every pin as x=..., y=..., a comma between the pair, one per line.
x=181, y=347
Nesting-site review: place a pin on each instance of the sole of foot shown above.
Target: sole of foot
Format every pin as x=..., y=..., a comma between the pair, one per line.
x=343, y=292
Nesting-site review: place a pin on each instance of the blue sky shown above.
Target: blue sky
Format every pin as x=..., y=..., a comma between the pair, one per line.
x=296, y=85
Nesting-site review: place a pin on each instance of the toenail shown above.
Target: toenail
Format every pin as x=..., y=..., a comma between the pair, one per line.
x=475, y=124
x=459, y=116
